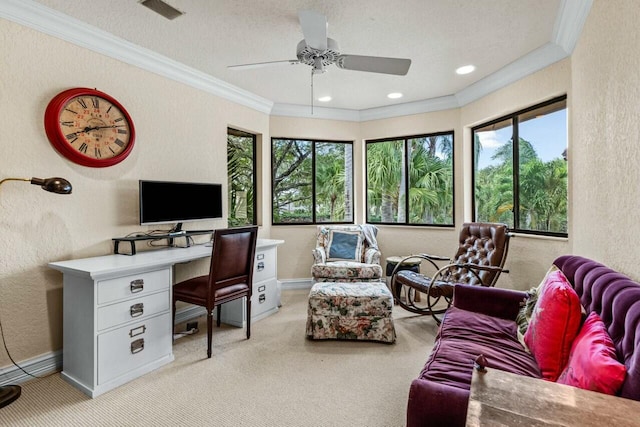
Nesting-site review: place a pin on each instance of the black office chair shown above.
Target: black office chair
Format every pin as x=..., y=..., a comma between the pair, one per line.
x=230, y=276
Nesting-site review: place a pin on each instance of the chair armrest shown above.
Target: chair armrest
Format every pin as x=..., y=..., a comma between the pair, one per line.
x=495, y=302
x=319, y=255
x=436, y=404
x=372, y=256
x=436, y=257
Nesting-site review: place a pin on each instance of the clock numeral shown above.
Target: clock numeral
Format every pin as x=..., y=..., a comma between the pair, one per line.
x=83, y=148
x=111, y=149
x=71, y=135
x=71, y=111
x=97, y=153
x=66, y=123
x=109, y=109
x=122, y=131
x=119, y=119
x=95, y=102
x=82, y=103
x=119, y=143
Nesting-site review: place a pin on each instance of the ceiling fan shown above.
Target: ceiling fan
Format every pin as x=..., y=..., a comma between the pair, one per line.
x=320, y=51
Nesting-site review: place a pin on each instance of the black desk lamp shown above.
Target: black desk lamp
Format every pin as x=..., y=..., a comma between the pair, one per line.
x=9, y=393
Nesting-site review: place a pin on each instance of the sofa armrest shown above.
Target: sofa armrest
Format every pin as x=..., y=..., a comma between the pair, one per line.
x=372, y=256
x=495, y=302
x=436, y=404
x=319, y=255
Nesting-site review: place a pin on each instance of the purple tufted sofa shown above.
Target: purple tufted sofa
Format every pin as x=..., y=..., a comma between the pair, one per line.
x=481, y=321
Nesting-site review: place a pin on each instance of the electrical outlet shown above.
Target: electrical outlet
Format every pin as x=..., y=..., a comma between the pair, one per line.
x=192, y=325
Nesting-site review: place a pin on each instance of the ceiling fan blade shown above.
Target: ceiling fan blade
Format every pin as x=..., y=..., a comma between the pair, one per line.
x=314, y=27
x=263, y=64
x=374, y=64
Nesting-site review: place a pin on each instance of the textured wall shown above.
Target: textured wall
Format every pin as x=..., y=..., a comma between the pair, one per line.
x=606, y=132
x=181, y=135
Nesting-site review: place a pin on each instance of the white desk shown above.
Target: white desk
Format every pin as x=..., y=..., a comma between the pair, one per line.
x=118, y=311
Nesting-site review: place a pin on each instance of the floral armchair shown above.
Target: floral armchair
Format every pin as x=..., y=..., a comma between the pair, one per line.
x=346, y=253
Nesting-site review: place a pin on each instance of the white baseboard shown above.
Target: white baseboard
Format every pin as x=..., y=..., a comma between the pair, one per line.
x=40, y=366
x=296, y=283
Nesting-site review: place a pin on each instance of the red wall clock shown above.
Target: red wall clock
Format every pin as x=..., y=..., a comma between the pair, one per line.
x=89, y=127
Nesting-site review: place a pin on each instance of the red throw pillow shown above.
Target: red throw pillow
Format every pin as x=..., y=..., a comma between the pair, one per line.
x=554, y=325
x=592, y=362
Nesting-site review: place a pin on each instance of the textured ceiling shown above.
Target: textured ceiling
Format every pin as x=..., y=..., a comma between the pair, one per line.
x=437, y=35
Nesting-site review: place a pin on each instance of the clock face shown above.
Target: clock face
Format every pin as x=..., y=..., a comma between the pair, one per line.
x=89, y=127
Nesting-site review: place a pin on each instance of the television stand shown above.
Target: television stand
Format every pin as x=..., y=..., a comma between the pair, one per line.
x=170, y=236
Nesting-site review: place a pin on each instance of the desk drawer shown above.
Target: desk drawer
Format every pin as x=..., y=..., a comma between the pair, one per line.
x=132, y=310
x=132, y=346
x=133, y=285
x=264, y=265
x=264, y=297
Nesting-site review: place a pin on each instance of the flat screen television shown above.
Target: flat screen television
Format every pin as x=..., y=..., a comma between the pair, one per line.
x=165, y=202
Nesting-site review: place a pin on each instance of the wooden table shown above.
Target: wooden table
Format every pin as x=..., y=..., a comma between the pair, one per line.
x=501, y=398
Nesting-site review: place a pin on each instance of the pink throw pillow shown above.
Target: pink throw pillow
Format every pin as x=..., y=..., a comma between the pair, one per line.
x=554, y=325
x=592, y=362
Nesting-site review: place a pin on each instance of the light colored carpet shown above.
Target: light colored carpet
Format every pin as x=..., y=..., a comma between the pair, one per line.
x=277, y=378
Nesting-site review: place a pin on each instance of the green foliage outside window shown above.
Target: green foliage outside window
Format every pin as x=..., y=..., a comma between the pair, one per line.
x=241, y=178
x=532, y=195
x=420, y=167
x=301, y=196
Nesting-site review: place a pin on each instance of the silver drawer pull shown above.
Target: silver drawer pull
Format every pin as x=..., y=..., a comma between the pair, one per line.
x=137, y=331
x=137, y=346
x=136, y=309
x=262, y=298
x=262, y=288
x=260, y=266
x=136, y=285
x=260, y=256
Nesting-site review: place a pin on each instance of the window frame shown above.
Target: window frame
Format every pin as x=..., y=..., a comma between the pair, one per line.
x=405, y=140
x=515, y=122
x=254, y=165
x=313, y=181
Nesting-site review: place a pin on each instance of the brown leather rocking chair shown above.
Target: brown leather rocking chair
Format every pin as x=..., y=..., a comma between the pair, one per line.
x=230, y=276
x=479, y=260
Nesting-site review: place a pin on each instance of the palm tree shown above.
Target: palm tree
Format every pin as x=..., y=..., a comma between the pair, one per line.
x=384, y=175
x=330, y=180
x=430, y=182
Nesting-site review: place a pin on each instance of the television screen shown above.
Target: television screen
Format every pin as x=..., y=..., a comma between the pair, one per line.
x=163, y=202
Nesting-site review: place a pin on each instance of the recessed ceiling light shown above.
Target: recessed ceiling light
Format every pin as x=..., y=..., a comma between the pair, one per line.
x=394, y=95
x=324, y=98
x=466, y=69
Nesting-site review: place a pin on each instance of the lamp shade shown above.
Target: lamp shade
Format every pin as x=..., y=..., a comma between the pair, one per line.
x=54, y=185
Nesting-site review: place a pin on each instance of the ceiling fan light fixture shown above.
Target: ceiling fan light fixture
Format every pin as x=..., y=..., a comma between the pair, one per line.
x=465, y=69
x=326, y=98
x=394, y=95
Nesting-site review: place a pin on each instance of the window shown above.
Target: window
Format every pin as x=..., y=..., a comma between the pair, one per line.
x=241, y=173
x=418, y=166
x=523, y=185
x=312, y=181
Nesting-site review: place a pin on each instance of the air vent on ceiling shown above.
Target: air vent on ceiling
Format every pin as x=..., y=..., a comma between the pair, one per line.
x=162, y=8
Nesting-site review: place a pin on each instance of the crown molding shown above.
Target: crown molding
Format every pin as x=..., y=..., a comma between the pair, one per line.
x=304, y=111
x=54, y=23
x=572, y=15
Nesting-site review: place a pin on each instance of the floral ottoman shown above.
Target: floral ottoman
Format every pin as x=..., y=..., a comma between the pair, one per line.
x=351, y=311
